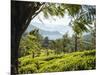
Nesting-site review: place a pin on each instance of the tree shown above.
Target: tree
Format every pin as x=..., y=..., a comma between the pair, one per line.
x=93, y=33
x=46, y=44
x=65, y=43
x=81, y=22
x=21, y=15
x=30, y=44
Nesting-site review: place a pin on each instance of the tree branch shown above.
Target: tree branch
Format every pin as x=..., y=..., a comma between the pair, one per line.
x=38, y=11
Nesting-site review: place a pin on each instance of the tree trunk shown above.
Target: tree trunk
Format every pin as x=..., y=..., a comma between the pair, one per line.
x=81, y=42
x=21, y=15
x=94, y=35
x=75, y=42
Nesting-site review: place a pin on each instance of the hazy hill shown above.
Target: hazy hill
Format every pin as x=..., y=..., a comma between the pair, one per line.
x=52, y=35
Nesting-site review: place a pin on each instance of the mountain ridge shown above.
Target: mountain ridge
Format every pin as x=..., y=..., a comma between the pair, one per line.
x=52, y=35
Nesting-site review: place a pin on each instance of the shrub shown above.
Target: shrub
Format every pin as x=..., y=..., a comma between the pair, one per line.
x=85, y=60
x=31, y=68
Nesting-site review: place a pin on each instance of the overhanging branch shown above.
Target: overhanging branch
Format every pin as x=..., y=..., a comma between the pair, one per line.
x=38, y=11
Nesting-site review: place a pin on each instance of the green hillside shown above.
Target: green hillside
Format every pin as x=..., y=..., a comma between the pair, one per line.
x=84, y=60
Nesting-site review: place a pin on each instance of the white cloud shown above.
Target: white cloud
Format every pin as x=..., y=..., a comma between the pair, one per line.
x=53, y=23
x=53, y=20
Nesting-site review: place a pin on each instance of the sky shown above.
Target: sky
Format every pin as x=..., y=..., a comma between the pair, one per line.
x=53, y=23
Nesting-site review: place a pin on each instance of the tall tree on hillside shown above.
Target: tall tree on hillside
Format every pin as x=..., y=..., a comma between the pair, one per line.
x=21, y=15
x=29, y=44
x=93, y=33
x=46, y=44
x=65, y=42
x=82, y=22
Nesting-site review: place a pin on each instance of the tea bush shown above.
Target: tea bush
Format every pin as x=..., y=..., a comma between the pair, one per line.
x=85, y=60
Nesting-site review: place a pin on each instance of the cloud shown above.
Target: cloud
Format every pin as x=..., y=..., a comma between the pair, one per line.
x=53, y=23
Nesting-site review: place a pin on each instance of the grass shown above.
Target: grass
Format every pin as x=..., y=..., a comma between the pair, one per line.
x=85, y=60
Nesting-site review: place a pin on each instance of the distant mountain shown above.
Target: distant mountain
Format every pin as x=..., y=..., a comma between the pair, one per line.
x=87, y=36
x=52, y=35
x=30, y=28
